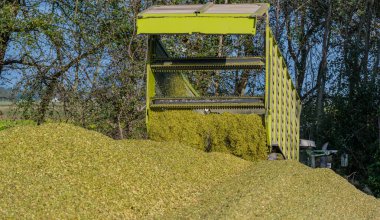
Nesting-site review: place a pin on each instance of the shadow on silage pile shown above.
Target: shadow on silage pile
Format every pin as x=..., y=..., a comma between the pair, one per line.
x=283, y=190
x=63, y=171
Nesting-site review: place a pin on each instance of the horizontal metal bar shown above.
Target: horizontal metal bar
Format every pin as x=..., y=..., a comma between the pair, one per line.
x=219, y=110
x=182, y=106
x=208, y=63
x=207, y=100
x=209, y=9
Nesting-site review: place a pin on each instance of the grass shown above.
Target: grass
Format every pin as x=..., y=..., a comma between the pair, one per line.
x=4, y=124
x=63, y=171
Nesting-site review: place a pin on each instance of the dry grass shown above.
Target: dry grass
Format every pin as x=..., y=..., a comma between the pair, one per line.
x=63, y=171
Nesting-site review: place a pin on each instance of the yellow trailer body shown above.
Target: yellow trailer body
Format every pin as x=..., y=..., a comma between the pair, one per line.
x=280, y=105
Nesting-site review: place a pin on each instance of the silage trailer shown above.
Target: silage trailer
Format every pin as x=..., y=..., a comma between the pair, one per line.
x=279, y=105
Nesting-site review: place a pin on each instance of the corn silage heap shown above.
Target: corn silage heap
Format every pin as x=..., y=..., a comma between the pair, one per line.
x=242, y=135
x=67, y=172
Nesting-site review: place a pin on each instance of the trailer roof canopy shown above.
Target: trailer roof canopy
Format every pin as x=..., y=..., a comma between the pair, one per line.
x=205, y=19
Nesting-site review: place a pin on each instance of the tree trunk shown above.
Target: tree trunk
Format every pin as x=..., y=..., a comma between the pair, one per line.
x=4, y=39
x=241, y=83
x=119, y=126
x=376, y=68
x=217, y=72
x=277, y=34
x=378, y=125
x=46, y=99
x=321, y=78
x=368, y=19
x=299, y=57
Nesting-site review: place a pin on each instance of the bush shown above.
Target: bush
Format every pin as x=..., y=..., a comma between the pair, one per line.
x=374, y=178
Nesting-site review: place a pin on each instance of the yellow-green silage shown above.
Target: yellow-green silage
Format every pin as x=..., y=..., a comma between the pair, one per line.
x=60, y=171
x=242, y=135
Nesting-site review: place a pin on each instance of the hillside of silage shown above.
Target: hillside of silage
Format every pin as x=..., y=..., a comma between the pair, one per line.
x=63, y=171
x=283, y=190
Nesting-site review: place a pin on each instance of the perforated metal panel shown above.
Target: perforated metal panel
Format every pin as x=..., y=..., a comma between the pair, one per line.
x=283, y=106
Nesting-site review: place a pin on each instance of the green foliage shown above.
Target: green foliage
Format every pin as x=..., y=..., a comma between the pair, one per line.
x=240, y=135
x=7, y=17
x=350, y=124
x=351, y=100
x=374, y=177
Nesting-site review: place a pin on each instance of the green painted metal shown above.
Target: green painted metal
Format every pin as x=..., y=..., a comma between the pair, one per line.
x=222, y=102
x=282, y=106
x=197, y=24
x=157, y=51
x=208, y=63
x=199, y=20
x=195, y=15
x=258, y=98
x=208, y=106
x=282, y=103
x=150, y=90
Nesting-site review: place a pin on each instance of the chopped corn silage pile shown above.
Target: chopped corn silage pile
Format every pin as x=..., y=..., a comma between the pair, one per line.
x=242, y=135
x=63, y=171
x=283, y=190
x=173, y=85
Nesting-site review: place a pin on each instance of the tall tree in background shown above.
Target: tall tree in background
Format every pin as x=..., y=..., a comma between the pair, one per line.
x=8, y=12
x=322, y=69
x=69, y=58
x=302, y=23
x=20, y=18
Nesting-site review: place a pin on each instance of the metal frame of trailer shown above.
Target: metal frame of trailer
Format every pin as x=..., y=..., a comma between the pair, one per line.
x=280, y=105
